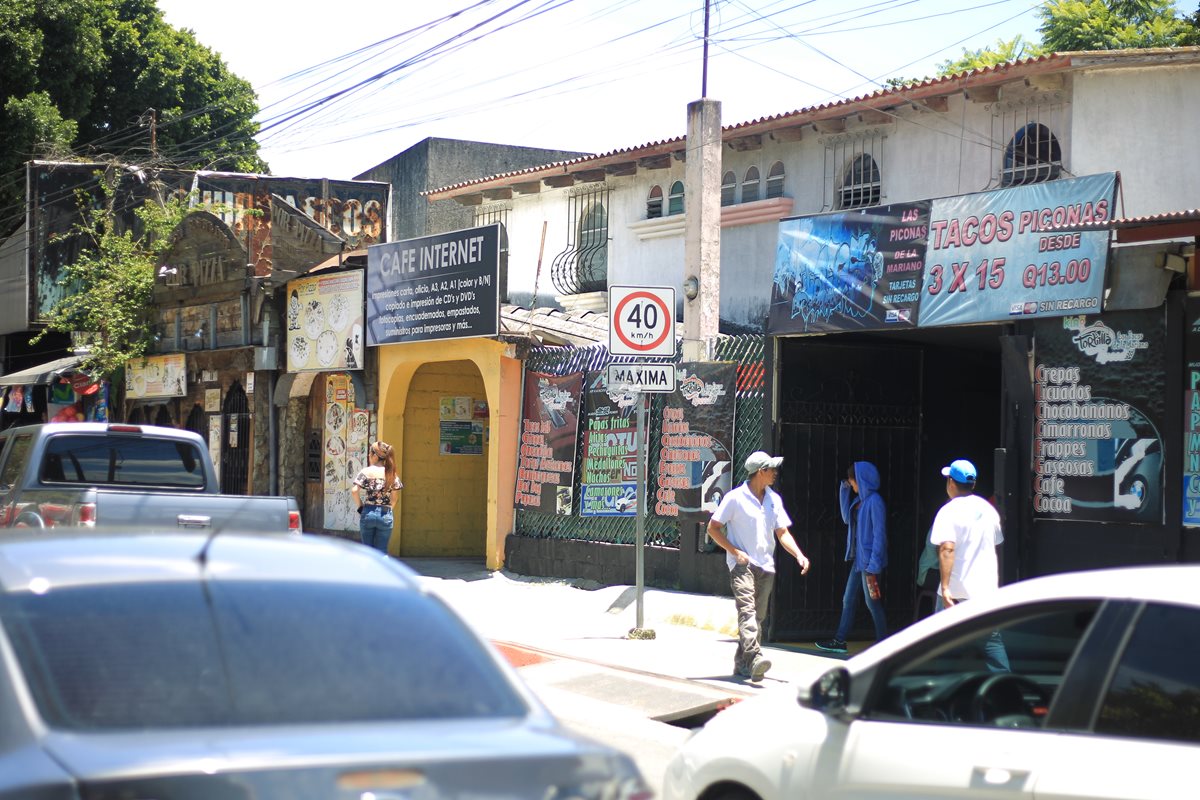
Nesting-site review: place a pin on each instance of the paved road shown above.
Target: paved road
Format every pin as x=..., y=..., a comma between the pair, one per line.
x=570, y=644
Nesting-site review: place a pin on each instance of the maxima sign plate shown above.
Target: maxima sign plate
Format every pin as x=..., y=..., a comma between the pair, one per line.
x=642, y=377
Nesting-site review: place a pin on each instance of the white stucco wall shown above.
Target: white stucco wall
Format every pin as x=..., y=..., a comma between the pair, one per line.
x=1140, y=122
x=1143, y=123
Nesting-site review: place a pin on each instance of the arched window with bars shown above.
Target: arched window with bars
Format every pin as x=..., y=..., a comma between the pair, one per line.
x=654, y=203
x=775, y=180
x=675, y=198
x=861, y=185
x=728, y=189
x=750, y=186
x=1032, y=155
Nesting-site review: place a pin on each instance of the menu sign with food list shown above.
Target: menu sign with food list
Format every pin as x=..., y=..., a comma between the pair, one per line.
x=434, y=287
x=325, y=322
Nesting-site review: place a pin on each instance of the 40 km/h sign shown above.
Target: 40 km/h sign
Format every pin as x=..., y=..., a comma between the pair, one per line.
x=641, y=321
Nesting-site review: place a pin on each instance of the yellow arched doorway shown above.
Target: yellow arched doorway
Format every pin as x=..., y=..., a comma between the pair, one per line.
x=452, y=410
x=444, y=462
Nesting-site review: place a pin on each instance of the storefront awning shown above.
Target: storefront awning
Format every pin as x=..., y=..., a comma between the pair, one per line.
x=43, y=374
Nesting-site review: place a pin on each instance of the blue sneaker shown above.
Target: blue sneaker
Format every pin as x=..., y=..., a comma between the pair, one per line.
x=832, y=646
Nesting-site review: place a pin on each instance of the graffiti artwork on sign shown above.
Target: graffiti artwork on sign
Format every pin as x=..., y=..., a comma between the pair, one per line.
x=1191, y=416
x=695, y=464
x=1098, y=452
x=849, y=270
x=549, y=430
x=608, y=485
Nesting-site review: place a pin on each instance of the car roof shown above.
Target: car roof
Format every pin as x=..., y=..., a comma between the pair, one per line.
x=1168, y=583
x=1173, y=584
x=48, y=428
x=41, y=560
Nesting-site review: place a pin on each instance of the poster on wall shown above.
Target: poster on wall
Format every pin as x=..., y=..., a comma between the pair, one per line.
x=1026, y=251
x=156, y=376
x=462, y=426
x=1191, y=416
x=608, y=483
x=695, y=465
x=852, y=270
x=549, y=430
x=214, y=441
x=1098, y=417
x=346, y=435
x=325, y=322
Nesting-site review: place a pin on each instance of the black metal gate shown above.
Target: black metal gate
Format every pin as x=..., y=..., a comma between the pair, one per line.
x=840, y=404
x=235, y=441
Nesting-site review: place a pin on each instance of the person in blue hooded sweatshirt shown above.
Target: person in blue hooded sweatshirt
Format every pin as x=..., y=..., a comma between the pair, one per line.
x=865, y=515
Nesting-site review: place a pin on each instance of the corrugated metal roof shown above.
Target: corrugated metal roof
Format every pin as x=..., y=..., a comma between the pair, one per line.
x=554, y=326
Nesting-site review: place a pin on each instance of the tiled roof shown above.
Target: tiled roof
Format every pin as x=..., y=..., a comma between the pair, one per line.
x=885, y=98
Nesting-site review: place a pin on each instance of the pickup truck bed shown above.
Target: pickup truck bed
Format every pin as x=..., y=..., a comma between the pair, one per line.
x=124, y=477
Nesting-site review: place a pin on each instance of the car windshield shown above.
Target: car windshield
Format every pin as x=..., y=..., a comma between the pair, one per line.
x=122, y=461
x=173, y=655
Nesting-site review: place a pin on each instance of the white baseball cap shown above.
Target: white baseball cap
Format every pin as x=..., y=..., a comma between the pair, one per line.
x=760, y=460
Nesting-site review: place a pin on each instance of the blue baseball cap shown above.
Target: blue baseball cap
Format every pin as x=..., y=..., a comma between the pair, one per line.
x=960, y=471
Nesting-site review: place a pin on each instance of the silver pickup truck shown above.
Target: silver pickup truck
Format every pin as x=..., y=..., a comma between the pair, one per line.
x=127, y=477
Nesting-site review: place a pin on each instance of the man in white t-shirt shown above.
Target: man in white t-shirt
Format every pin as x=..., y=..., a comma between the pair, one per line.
x=746, y=524
x=966, y=532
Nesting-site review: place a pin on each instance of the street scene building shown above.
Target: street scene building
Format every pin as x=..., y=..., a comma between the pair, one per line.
x=861, y=239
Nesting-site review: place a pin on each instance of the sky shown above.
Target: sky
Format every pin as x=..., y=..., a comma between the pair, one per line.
x=345, y=86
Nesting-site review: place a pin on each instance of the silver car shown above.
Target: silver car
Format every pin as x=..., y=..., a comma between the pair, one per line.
x=238, y=666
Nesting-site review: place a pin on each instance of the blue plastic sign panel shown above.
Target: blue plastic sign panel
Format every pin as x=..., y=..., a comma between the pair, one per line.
x=641, y=321
x=1019, y=252
x=434, y=287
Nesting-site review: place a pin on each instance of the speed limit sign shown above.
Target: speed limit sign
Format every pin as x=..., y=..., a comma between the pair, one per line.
x=641, y=321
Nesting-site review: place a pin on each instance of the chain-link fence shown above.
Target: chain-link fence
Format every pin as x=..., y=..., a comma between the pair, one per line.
x=745, y=350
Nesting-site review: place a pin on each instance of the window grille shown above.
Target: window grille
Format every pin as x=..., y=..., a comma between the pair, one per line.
x=860, y=183
x=728, y=189
x=583, y=265
x=497, y=215
x=854, y=164
x=750, y=186
x=1024, y=146
x=675, y=199
x=775, y=180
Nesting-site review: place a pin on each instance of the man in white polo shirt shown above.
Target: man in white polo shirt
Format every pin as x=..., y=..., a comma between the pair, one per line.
x=746, y=524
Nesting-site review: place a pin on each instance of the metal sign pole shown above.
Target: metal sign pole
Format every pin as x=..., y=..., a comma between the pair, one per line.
x=643, y=461
x=640, y=562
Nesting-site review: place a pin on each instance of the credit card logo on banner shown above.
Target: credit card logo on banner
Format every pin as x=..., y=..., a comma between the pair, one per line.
x=898, y=315
x=1019, y=308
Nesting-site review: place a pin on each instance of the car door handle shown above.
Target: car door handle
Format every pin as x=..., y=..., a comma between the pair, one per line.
x=999, y=778
x=193, y=521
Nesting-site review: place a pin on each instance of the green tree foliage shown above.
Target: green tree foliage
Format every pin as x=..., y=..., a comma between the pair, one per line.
x=1074, y=25
x=1003, y=51
x=1070, y=25
x=82, y=76
x=111, y=284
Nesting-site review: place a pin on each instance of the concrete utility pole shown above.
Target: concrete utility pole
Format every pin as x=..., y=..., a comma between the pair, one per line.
x=702, y=230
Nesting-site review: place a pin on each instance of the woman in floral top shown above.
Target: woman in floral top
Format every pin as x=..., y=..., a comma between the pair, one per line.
x=375, y=492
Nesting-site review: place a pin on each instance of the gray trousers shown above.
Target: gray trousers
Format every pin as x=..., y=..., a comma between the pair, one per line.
x=751, y=593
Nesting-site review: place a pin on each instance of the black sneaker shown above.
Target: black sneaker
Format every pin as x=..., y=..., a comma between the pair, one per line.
x=832, y=646
x=759, y=668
